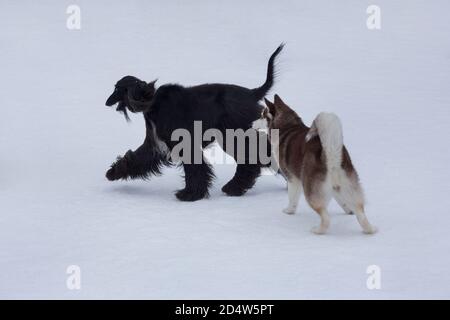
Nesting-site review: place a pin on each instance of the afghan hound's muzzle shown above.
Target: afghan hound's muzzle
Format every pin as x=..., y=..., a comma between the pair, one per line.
x=132, y=94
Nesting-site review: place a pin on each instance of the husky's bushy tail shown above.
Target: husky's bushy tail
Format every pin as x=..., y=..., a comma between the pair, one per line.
x=329, y=129
x=342, y=181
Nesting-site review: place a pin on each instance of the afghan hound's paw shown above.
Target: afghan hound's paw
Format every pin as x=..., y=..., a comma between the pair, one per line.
x=190, y=195
x=117, y=171
x=233, y=189
x=289, y=210
x=111, y=175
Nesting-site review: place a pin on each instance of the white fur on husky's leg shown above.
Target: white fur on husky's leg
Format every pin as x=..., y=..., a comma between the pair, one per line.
x=295, y=189
x=324, y=222
x=346, y=193
x=365, y=224
x=342, y=204
x=319, y=200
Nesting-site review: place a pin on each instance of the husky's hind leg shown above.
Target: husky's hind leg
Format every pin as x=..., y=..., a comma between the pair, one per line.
x=358, y=209
x=324, y=221
x=318, y=199
x=348, y=193
x=342, y=205
x=295, y=190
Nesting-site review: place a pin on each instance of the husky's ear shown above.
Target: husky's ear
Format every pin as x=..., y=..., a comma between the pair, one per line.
x=277, y=101
x=270, y=105
x=312, y=132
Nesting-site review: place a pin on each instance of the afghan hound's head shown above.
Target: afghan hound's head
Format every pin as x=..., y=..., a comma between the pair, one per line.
x=132, y=94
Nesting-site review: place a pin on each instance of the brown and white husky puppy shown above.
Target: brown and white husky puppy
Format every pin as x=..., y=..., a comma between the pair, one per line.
x=316, y=162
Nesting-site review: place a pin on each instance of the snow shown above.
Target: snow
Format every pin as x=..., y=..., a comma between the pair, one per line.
x=134, y=239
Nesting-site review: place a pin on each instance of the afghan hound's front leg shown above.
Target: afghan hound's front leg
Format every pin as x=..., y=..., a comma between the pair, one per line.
x=198, y=179
x=145, y=161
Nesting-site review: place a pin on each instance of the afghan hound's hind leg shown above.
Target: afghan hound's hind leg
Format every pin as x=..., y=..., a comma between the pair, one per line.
x=249, y=163
x=243, y=180
x=198, y=179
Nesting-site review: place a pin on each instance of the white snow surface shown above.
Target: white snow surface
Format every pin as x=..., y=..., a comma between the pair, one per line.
x=134, y=239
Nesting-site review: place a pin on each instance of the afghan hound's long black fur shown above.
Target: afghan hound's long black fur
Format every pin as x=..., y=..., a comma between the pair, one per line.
x=171, y=107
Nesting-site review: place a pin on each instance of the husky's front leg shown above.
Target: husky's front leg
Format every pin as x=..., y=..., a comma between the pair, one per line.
x=295, y=190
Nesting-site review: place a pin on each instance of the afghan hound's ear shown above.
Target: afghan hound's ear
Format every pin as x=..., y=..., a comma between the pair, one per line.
x=151, y=85
x=149, y=90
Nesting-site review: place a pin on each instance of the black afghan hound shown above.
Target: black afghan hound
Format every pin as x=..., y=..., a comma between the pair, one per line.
x=171, y=107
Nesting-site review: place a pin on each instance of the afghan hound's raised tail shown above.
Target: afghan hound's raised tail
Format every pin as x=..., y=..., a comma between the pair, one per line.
x=261, y=92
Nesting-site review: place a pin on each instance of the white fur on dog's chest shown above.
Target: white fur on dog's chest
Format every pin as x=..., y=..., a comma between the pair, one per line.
x=162, y=146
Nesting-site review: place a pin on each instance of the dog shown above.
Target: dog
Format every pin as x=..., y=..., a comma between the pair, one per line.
x=316, y=163
x=171, y=107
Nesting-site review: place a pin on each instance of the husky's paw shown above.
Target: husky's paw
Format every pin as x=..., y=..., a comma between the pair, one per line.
x=289, y=210
x=371, y=230
x=318, y=230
